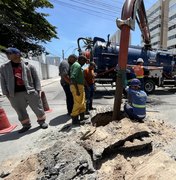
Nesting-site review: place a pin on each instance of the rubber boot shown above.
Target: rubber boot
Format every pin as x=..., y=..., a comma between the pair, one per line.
x=42, y=124
x=75, y=120
x=83, y=116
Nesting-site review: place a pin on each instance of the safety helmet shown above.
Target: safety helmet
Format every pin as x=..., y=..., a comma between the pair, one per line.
x=140, y=60
x=135, y=82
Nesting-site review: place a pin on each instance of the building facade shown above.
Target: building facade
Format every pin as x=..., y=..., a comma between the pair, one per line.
x=162, y=25
x=115, y=38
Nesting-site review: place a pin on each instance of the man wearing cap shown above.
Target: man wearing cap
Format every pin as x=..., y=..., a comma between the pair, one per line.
x=139, y=71
x=64, y=72
x=136, y=106
x=77, y=89
x=21, y=84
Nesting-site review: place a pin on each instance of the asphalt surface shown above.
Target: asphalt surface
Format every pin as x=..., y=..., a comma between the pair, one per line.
x=163, y=102
x=18, y=146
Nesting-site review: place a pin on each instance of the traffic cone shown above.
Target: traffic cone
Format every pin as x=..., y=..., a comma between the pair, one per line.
x=45, y=102
x=5, y=126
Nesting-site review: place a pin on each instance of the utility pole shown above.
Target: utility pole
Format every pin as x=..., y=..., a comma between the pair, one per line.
x=123, y=24
x=63, y=54
x=122, y=62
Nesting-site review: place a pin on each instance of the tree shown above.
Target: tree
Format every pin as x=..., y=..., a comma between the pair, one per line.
x=23, y=27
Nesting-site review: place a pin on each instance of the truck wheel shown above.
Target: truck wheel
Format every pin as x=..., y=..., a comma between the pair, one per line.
x=149, y=86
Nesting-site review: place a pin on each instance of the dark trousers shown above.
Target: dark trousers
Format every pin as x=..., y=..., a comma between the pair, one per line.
x=129, y=110
x=89, y=96
x=69, y=97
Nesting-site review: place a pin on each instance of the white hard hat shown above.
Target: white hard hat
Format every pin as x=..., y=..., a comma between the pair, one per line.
x=140, y=60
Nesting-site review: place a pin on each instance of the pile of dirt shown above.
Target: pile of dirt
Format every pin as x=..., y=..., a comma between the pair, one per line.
x=117, y=150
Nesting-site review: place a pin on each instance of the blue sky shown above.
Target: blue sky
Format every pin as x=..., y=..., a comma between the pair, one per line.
x=73, y=22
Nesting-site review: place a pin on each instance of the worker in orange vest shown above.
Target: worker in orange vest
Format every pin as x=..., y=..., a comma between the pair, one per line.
x=139, y=71
x=89, y=80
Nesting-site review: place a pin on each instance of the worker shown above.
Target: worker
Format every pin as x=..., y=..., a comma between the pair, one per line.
x=89, y=78
x=78, y=91
x=64, y=72
x=135, y=108
x=139, y=71
x=21, y=85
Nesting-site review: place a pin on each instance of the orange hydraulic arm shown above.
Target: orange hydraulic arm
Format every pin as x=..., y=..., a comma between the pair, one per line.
x=131, y=9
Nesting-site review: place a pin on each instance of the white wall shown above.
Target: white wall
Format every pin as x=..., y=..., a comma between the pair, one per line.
x=53, y=71
x=45, y=71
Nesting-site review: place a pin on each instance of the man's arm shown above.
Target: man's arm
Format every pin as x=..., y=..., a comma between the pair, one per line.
x=85, y=79
x=35, y=77
x=3, y=83
x=67, y=78
x=129, y=97
x=74, y=73
x=64, y=72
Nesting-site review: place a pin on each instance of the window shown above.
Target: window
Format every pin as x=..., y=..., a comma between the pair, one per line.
x=153, y=12
x=172, y=27
x=155, y=27
x=172, y=17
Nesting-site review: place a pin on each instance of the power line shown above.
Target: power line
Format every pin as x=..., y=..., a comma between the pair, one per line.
x=96, y=8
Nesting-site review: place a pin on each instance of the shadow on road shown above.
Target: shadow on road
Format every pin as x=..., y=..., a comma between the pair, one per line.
x=59, y=120
x=164, y=91
x=104, y=94
x=15, y=135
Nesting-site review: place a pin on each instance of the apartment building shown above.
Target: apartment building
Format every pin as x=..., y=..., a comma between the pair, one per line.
x=162, y=24
x=115, y=38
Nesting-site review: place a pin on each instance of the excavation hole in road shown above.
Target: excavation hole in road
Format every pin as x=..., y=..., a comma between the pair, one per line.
x=102, y=119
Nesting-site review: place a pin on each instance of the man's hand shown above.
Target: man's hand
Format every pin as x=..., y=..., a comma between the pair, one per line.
x=39, y=93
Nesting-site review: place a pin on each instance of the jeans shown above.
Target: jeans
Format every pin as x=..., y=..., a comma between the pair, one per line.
x=69, y=97
x=129, y=110
x=89, y=96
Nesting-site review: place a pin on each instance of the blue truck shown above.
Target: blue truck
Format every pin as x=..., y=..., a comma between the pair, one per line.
x=159, y=65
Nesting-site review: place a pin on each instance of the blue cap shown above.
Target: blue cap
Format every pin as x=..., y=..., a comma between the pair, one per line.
x=12, y=50
x=135, y=82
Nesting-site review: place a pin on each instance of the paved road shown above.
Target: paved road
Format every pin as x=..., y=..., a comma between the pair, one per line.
x=164, y=101
x=14, y=145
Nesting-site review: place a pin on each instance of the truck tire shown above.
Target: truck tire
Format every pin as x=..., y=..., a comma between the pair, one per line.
x=149, y=86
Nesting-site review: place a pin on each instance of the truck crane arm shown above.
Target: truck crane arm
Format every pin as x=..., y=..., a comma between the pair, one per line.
x=131, y=9
x=135, y=10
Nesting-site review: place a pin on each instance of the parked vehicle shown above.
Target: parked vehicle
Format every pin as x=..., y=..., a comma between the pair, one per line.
x=159, y=66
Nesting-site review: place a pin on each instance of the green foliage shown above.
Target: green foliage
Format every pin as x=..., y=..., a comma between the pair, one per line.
x=23, y=27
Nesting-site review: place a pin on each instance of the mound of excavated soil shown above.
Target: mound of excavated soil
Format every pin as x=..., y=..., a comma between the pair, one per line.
x=118, y=150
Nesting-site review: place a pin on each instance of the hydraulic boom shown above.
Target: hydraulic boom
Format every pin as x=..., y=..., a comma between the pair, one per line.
x=132, y=10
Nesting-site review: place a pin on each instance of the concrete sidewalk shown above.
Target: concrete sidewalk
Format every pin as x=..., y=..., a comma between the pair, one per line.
x=46, y=82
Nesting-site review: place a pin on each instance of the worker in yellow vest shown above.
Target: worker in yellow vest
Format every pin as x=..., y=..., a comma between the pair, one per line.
x=139, y=71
